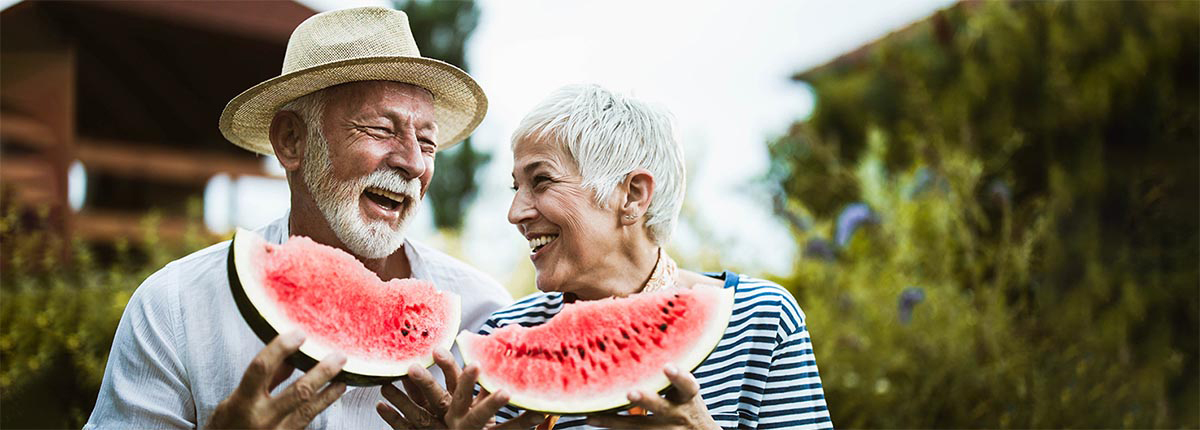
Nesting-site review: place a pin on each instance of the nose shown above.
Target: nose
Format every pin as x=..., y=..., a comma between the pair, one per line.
x=405, y=154
x=522, y=209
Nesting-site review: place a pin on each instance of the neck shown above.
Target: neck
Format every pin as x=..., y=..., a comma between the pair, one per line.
x=629, y=276
x=306, y=219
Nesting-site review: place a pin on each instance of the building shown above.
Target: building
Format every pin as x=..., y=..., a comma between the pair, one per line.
x=109, y=109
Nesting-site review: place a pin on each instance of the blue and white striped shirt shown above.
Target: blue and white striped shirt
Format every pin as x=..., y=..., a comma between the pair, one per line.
x=763, y=373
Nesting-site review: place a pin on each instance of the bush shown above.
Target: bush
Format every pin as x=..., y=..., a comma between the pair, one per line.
x=60, y=305
x=1031, y=260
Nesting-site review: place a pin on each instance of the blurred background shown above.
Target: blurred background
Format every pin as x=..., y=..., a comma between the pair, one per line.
x=988, y=210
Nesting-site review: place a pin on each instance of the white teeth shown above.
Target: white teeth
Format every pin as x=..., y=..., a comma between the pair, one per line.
x=386, y=193
x=539, y=241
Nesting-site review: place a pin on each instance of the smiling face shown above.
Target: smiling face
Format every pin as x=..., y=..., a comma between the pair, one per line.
x=575, y=245
x=371, y=161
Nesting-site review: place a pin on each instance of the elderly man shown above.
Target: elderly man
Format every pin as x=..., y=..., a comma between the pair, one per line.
x=356, y=119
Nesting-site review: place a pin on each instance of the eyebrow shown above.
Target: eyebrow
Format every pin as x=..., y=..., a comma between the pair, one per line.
x=531, y=167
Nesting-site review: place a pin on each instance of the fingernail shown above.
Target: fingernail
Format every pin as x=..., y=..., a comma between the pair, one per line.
x=670, y=369
x=634, y=396
x=339, y=387
x=337, y=358
x=294, y=338
x=414, y=369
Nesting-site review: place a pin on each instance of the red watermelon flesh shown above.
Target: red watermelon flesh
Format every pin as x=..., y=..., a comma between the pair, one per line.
x=382, y=327
x=588, y=356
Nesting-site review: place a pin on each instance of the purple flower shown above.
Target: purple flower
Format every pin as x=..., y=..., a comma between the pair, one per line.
x=908, y=300
x=852, y=217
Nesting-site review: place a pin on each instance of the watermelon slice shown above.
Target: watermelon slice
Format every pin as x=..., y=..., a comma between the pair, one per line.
x=591, y=354
x=381, y=327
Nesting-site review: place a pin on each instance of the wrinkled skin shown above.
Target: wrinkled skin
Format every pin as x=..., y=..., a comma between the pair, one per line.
x=682, y=407
x=251, y=405
x=426, y=405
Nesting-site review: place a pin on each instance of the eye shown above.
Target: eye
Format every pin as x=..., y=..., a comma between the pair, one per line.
x=540, y=179
x=428, y=146
x=376, y=132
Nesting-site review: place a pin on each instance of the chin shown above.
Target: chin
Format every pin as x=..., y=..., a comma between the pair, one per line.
x=547, y=286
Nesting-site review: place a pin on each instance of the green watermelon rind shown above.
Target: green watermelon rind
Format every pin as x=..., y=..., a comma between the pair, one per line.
x=700, y=351
x=258, y=315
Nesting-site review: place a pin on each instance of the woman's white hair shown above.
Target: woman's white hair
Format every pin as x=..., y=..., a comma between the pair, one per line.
x=610, y=135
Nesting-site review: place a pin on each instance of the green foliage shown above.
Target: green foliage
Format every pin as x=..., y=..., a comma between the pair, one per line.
x=1033, y=166
x=441, y=29
x=60, y=301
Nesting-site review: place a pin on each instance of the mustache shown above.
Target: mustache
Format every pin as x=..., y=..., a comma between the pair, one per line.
x=392, y=180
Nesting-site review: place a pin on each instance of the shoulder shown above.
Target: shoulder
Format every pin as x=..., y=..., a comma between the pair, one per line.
x=191, y=274
x=530, y=310
x=763, y=299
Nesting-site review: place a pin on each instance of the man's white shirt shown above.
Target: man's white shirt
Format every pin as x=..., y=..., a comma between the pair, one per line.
x=181, y=346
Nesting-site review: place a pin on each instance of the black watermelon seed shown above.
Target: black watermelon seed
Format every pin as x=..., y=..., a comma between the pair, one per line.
x=406, y=325
x=670, y=303
x=425, y=333
x=601, y=344
x=582, y=353
x=662, y=327
x=665, y=311
x=404, y=332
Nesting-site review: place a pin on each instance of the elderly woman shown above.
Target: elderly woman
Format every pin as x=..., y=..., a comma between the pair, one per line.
x=599, y=181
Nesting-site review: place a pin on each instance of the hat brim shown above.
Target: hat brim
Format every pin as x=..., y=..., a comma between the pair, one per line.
x=459, y=102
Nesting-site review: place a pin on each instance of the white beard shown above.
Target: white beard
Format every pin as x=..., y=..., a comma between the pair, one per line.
x=338, y=200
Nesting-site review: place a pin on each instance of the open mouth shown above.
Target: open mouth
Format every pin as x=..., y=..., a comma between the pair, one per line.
x=384, y=198
x=536, y=244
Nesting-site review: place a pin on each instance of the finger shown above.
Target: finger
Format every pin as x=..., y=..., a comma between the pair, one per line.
x=261, y=371
x=415, y=414
x=308, y=386
x=462, y=399
x=414, y=393
x=684, y=384
x=392, y=417
x=625, y=421
x=445, y=360
x=650, y=402
x=479, y=414
x=526, y=420
x=285, y=371
x=437, y=398
x=305, y=413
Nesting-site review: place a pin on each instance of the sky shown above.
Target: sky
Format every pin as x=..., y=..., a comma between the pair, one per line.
x=722, y=68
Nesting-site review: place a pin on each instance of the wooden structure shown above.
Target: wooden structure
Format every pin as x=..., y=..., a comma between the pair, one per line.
x=133, y=91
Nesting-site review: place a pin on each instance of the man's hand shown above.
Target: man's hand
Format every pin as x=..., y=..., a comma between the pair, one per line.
x=427, y=405
x=251, y=405
x=682, y=408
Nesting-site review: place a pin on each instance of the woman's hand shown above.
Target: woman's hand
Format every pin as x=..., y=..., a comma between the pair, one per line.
x=426, y=405
x=682, y=408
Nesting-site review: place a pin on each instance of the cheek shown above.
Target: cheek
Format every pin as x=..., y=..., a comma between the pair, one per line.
x=426, y=177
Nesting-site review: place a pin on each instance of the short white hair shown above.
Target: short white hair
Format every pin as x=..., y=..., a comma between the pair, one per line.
x=309, y=107
x=610, y=135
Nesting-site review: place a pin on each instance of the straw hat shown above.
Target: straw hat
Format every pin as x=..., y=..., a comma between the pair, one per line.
x=348, y=45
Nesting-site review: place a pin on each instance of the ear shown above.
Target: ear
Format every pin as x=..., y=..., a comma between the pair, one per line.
x=288, y=133
x=639, y=187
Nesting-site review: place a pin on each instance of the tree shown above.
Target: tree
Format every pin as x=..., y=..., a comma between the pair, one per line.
x=441, y=29
x=1056, y=249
